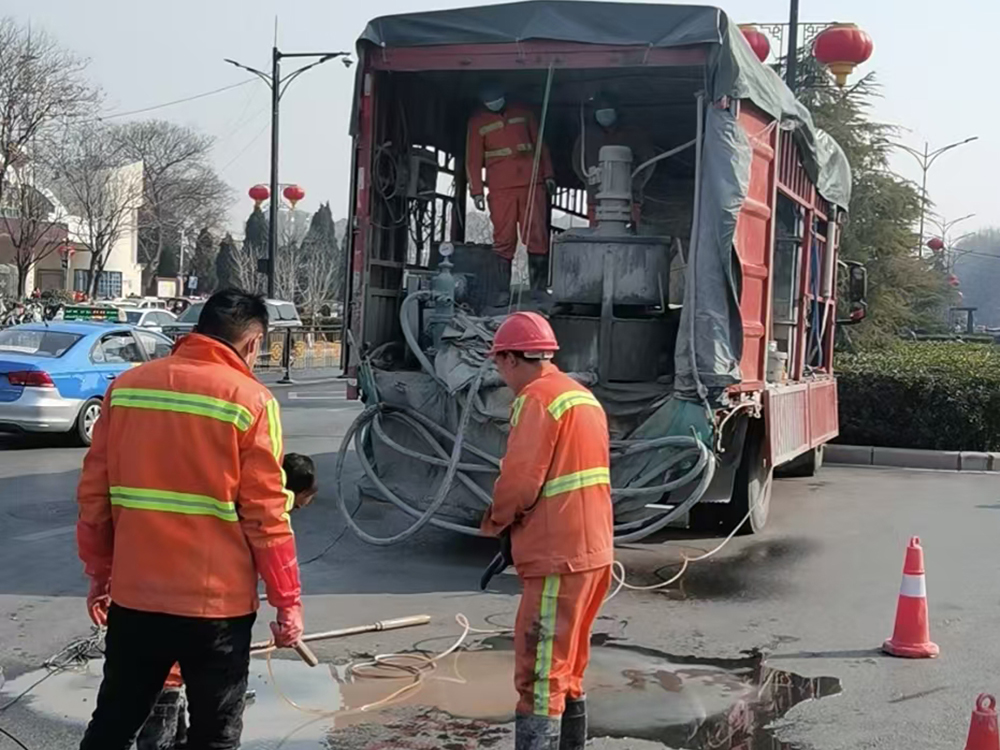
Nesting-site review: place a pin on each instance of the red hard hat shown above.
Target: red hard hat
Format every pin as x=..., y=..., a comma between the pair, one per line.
x=524, y=332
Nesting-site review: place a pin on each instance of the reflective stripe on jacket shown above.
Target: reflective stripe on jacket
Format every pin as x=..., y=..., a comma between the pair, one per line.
x=504, y=143
x=554, y=489
x=186, y=462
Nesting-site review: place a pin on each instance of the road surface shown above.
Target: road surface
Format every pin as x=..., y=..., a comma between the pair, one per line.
x=816, y=593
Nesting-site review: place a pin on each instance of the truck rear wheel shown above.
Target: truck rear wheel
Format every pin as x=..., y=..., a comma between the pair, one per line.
x=751, y=489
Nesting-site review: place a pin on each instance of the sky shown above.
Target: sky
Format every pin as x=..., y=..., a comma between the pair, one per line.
x=936, y=63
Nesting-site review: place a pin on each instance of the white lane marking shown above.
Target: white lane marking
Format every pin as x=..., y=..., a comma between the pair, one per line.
x=329, y=396
x=47, y=534
x=913, y=586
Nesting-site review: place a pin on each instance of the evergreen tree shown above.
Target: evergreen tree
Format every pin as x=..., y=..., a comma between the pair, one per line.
x=169, y=267
x=255, y=234
x=905, y=292
x=321, y=262
x=227, y=266
x=203, y=262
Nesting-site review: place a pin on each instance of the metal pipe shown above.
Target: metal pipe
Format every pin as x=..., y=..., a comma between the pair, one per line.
x=375, y=627
x=272, y=208
x=286, y=359
x=693, y=248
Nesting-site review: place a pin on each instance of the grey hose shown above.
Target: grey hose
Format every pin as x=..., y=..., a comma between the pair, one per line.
x=442, y=493
x=703, y=468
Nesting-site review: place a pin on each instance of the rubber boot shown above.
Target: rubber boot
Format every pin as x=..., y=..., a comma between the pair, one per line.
x=538, y=272
x=536, y=732
x=573, y=735
x=497, y=286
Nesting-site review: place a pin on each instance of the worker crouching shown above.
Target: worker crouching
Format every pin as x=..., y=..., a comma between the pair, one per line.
x=553, y=498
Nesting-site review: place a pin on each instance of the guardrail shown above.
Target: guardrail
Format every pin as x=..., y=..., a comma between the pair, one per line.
x=300, y=348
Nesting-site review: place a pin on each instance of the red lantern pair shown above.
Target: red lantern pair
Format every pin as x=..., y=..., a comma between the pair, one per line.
x=840, y=47
x=260, y=193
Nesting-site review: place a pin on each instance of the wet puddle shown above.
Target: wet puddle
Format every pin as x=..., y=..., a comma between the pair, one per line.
x=634, y=693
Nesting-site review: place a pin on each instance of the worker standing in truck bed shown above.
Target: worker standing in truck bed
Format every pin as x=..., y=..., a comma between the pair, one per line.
x=553, y=498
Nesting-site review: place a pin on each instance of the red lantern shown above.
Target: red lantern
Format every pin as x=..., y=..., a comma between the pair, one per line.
x=293, y=194
x=758, y=42
x=841, y=48
x=259, y=193
x=936, y=244
x=953, y=280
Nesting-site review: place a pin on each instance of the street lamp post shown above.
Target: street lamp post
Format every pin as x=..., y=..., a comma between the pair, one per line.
x=926, y=159
x=278, y=87
x=791, y=68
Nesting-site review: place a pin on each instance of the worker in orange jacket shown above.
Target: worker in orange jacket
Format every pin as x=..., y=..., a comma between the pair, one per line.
x=553, y=498
x=182, y=506
x=503, y=138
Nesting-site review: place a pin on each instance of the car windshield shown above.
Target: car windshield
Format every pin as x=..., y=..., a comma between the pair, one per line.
x=133, y=316
x=281, y=311
x=191, y=314
x=38, y=343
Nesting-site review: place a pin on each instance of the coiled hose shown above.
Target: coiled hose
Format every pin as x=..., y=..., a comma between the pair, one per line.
x=690, y=448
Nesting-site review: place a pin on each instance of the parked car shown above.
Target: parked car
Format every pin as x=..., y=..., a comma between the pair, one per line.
x=53, y=377
x=282, y=314
x=148, y=318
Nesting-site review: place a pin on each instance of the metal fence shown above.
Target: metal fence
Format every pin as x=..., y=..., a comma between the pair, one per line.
x=300, y=348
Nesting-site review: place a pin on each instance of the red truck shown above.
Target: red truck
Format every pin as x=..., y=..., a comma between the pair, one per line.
x=703, y=315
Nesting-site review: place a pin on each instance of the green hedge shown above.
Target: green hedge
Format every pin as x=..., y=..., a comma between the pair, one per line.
x=939, y=396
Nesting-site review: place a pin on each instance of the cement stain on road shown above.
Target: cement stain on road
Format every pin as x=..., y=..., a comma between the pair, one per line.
x=634, y=693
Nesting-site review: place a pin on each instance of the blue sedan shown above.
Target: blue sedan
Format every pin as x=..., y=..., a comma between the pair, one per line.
x=53, y=376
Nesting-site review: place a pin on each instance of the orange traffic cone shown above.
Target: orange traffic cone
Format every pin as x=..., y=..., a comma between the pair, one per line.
x=983, y=728
x=911, y=637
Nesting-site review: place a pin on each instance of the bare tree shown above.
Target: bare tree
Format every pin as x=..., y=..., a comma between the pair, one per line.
x=181, y=191
x=31, y=219
x=321, y=269
x=41, y=85
x=247, y=275
x=101, y=190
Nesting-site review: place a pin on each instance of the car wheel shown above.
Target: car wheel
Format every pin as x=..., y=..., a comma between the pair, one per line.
x=85, y=421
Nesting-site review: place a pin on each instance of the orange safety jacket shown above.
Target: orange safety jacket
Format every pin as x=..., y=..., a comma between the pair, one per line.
x=182, y=482
x=554, y=488
x=504, y=142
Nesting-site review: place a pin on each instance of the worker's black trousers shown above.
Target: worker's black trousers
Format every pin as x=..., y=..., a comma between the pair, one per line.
x=140, y=648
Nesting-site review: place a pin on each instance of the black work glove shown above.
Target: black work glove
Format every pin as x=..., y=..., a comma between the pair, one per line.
x=501, y=562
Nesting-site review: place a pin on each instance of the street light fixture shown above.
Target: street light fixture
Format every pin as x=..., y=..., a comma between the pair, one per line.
x=278, y=86
x=943, y=243
x=926, y=159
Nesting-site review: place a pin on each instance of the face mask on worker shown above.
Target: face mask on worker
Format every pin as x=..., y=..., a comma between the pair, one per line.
x=606, y=117
x=495, y=105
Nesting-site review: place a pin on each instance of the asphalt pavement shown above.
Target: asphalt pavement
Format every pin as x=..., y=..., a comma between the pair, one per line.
x=815, y=593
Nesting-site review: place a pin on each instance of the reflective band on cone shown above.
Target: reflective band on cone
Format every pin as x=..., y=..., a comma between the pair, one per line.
x=911, y=637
